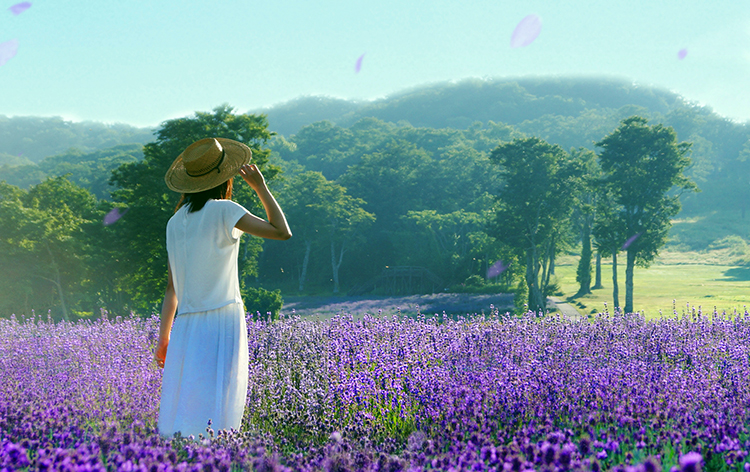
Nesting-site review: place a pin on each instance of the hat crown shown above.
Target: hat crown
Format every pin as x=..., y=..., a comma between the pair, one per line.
x=207, y=163
x=202, y=156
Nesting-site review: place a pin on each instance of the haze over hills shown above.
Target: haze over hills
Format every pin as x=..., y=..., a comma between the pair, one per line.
x=572, y=112
x=459, y=104
x=518, y=102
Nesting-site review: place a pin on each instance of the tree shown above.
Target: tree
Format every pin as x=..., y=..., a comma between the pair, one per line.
x=44, y=247
x=450, y=242
x=141, y=236
x=609, y=232
x=325, y=215
x=534, y=206
x=585, y=211
x=641, y=164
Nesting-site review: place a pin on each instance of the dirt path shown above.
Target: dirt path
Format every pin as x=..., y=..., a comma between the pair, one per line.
x=566, y=309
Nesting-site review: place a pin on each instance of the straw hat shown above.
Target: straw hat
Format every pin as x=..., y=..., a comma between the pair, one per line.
x=206, y=164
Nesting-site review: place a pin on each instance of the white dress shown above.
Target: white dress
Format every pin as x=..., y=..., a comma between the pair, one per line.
x=206, y=368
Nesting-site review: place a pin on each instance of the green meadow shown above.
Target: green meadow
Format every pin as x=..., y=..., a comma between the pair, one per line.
x=661, y=288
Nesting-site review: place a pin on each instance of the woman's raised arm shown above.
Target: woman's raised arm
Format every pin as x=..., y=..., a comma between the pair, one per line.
x=276, y=227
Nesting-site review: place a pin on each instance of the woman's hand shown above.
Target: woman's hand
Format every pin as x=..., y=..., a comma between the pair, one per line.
x=251, y=174
x=161, y=354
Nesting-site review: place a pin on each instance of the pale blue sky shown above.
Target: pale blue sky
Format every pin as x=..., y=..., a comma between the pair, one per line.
x=142, y=62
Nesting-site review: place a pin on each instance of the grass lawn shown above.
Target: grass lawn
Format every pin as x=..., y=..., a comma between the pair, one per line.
x=708, y=286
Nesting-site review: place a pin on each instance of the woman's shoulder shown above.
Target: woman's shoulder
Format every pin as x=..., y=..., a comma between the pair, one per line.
x=226, y=204
x=176, y=215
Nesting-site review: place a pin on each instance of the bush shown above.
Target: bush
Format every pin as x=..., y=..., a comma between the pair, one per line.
x=259, y=300
x=477, y=284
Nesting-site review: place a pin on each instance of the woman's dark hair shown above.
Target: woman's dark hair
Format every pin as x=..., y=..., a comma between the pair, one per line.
x=196, y=201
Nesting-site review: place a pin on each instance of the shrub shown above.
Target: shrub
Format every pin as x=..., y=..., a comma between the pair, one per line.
x=260, y=300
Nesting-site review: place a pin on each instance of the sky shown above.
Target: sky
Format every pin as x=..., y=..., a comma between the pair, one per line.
x=144, y=62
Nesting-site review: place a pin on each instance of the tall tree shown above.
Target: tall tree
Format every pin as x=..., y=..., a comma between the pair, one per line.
x=326, y=216
x=610, y=233
x=141, y=237
x=534, y=206
x=641, y=165
x=585, y=211
x=44, y=248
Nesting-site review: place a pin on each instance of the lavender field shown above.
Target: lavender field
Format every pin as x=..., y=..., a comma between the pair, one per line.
x=395, y=393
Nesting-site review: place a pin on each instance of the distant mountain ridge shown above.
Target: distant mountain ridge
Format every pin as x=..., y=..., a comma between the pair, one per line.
x=29, y=139
x=460, y=104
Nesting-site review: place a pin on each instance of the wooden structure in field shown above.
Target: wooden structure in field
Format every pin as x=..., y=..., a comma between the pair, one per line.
x=401, y=280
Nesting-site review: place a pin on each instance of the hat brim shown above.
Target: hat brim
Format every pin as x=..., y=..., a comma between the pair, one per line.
x=236, y=155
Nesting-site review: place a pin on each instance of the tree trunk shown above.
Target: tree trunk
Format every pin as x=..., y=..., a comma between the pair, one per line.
x=629, y=281
x=615, y=288
x=336, y=265
x=536, y=304
x=548, y=267
x=598, y=276
x=552, y=260
x=305, y=261
x=584, y=264
x=58, y=284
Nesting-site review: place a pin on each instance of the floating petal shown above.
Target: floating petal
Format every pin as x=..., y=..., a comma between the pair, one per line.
x=358, y=65
x=8, y=50
x=19, y=8
x=526, y=31
x=113, y=215
x=681, y=55
x=496, y=269
x=630, y=241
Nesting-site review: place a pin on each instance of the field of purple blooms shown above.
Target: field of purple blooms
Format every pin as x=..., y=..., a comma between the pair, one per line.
x=616, y=392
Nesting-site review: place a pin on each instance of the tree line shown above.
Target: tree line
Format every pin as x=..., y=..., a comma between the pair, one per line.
x=358, y=199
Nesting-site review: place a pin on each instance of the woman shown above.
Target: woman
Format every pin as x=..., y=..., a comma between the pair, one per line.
x=206, y=366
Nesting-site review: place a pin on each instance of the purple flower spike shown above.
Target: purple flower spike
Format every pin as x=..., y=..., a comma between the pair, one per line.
x=358, y=65
x=8, y=50
x=496, y=269
x=681, y=55
x=691, y=462
x=113, y=215
x=19, y=8
x=630, y=241
x=526, y=31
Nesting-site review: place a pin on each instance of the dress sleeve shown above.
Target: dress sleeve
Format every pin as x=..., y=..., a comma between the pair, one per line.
x=232, y=212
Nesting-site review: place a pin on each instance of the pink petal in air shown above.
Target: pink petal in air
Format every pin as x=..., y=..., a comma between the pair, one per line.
x=681, y=55
x=8, y=49
x=113, y=215
x=526, y=31
x=496, y=269
x=358, y=65
x=19, y=8
x=630, y=241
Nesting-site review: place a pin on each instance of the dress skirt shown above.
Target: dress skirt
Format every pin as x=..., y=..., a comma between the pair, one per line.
x=205, y=372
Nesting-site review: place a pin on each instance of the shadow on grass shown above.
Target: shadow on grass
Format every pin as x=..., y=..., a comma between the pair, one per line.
x=737, y=274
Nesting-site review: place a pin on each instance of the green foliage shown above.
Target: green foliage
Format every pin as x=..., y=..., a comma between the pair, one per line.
x=418, y=163
x=140, y=240
x=44, y=247
x=477, y=284
x=327, y=217
x=261, y=302
x=640, y=165
x=521, y=297
x=35, y=138
x=534, y=207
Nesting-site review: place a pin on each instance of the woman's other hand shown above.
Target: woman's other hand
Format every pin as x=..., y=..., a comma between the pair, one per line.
x=251, y=174
x=160, y=355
